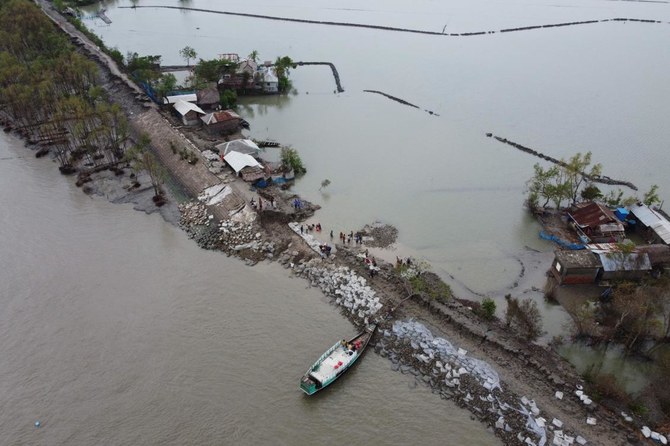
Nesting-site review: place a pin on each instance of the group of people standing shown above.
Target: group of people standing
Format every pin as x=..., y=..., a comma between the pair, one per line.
x=309, y=228
x=269, y=203
x=344, y=238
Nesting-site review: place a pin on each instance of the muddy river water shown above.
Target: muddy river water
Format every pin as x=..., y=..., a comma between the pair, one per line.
x=117, y=329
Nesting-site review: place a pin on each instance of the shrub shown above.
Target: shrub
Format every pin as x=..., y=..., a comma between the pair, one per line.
x=488, y=308
x=291, y=160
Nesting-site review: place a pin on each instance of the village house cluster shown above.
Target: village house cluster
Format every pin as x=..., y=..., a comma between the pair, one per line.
x=201, y=110
x=602, y=256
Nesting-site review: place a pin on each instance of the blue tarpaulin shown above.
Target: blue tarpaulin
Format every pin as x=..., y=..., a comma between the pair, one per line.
x=621, y=214
x=560, y=241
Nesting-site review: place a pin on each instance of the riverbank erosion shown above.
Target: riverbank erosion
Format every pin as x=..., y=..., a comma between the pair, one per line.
x=508, y=384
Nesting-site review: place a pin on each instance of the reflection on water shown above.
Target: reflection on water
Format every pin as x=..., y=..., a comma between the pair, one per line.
x=632, y=374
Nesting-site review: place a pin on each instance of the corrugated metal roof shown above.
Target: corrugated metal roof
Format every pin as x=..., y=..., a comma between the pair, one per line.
x=184, y=107
x=652, y=219
x=617, y=261
x=184, y=97
x=592, y=215
x=238, y=145
x=220, y=116
x=662, y=230
x=644, y=214
x=239, y=161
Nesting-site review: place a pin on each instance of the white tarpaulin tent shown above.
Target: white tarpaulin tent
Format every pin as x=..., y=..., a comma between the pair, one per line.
x=239, y=161
x=239, y=145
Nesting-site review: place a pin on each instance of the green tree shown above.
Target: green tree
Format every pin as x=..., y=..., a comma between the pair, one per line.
x=228, y=98
x=166, y=83
x=208, y=70
x=188, y=53
x=591, y=192
x=253, y=56
x=145, y=68
x=562, y=182
x=576, y=172
x=546, y=185
x=282, y=69
x=291, y=160
x=488, y=308
x=651, y=197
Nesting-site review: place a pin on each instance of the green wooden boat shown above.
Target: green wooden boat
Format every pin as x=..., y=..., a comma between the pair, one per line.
x=335, y=361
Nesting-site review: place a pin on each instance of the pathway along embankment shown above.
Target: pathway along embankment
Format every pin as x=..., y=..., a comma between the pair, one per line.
x=396, y=29
x=598, y=179
x=144, y=118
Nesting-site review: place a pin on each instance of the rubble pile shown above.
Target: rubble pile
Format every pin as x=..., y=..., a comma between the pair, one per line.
x=229, y=236
x=235, y=237
x=193, y=214
x=346, y=288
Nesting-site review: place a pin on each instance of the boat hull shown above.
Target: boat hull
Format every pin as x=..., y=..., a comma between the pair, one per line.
x=335, y=362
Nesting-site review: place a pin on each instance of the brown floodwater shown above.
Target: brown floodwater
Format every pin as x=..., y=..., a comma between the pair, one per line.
x=117, y=329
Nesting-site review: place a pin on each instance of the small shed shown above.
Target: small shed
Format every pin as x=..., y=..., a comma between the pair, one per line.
x=622, y=266
x=188, y=112
x=239, y=161
x=208, y=98
x=597, y=222
x=219, y=122
x=572, y=267
x=653, y=224
x=244, y=165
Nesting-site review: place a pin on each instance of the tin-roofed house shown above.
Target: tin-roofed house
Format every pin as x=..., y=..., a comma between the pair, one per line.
x=246, y=146
x=222, y=122
x=574, y=267
x=187, y=97
x=188, y=112
x=624, y=266
x=596, y=223
x=652, y=224
x=266, y=80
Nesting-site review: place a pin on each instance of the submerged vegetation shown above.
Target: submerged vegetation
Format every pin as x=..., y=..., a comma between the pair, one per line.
x=50, y=91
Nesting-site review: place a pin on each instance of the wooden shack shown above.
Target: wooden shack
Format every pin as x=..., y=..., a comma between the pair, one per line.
x=597, y=223
x=572, y=267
